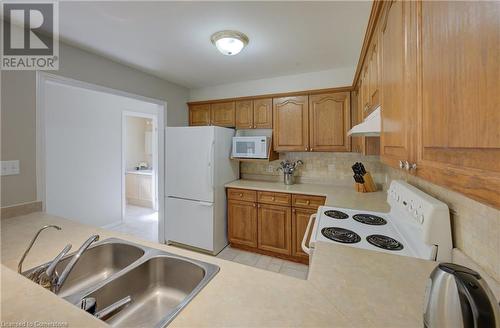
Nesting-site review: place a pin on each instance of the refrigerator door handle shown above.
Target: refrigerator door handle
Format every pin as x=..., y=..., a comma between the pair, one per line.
x=206, y=204
x=210, y=166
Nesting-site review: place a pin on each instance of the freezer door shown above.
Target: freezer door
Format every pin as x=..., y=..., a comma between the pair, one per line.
x=189, y=163
x=190, y=223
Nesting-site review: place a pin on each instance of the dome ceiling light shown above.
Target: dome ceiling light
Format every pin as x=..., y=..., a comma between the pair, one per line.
x=228, y=42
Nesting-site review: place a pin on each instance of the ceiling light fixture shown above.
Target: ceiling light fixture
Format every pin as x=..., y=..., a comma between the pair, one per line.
x=228, y=42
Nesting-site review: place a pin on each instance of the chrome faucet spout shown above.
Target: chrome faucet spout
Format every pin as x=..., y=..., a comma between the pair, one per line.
x=64, y=275
x=20, y=265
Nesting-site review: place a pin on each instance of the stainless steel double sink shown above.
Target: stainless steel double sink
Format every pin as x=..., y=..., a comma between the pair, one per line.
x=159, y=284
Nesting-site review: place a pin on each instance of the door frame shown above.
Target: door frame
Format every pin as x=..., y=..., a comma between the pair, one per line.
x=41, y=79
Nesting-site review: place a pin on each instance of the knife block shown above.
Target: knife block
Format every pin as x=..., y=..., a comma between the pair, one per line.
x=368, y=186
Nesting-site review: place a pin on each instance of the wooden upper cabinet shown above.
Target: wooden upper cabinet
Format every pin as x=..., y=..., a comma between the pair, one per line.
x=199, y=114
x=397, y=115
x=223, y=114
x=242, y=222
x=459, y=129
x=244, y=114
x=291, y=123
x=373, y=77
x=329, y=122
x=263, y=113
x=275, y=228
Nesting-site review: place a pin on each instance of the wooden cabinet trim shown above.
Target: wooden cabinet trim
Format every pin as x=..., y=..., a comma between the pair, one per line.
x=238, y=223
x=300, y=219
x=280, y=241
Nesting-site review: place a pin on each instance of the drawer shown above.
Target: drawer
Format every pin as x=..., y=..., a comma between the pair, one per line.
x=242, y=194
x=276, y=198
x=308, y=201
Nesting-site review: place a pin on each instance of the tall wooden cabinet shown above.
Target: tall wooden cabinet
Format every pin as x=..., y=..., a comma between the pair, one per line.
x=459, y=118
x=397, y=111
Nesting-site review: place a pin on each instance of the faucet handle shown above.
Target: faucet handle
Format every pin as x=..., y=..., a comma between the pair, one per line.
x=20, y=264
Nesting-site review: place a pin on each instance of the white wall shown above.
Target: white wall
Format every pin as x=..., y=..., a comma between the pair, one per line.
x=18, y=109
x=339, y=77
x=135, y=149
x=83, y=152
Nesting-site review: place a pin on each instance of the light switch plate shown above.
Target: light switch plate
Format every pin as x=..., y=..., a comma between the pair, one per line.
x=10, y=167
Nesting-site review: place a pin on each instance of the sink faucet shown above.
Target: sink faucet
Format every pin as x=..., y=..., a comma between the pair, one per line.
x=59, y=281
x=47, y=276
x=20, y=265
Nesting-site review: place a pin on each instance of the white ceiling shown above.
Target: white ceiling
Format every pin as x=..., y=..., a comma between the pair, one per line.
x=172, y=39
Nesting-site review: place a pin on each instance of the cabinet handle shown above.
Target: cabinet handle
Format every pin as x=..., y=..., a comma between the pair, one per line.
x=311, y=149
x=241, y=195
x=272, y=198
x=294, y=210
x=255, y=126
x=258, y=206
x=308, y=202
x=254, y=205
x=306, y=148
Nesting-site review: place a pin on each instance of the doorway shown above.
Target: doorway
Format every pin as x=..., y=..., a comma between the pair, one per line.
x=140, y=169
x=80, y=157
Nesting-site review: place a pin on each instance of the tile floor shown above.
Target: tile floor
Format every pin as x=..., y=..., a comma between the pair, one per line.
x=139, y=221
x=288, y=268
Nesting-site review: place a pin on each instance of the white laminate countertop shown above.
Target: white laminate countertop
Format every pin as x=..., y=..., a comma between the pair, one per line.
x=347, y=287
x=140, y=172
x=337, y=196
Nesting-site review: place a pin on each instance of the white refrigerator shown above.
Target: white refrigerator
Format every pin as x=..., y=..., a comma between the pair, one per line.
x=198, y=166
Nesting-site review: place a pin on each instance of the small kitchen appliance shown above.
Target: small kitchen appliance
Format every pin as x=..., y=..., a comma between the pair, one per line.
x=250, y=147
x=417, y=225
x=457, y=296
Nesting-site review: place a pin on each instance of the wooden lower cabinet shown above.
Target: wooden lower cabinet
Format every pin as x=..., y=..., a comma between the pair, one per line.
x=271, y=228
x=242, y=223
x=300, y=219
x=274, y=228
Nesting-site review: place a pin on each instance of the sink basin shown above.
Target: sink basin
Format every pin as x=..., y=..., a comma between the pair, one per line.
x=159, y=284
x=159, y=288
x=97, y=264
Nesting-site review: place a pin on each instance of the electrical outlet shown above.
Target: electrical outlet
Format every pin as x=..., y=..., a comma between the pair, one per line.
x=10, y=167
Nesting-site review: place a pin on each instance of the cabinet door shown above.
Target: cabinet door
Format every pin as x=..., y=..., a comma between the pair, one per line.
x=300, y=218
x=222, y=114
x=199, y=114
x=275, y=228
x=242, y=223
x=397, y=114
x=329, y=122
x=131, y=186
x=459, y=122
x=291, y=123
x=244, y=114
x=373, y=76
x=145, y=186
x=263, y=113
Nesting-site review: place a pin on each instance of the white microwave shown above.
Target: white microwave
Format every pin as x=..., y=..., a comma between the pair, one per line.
x=250, y=147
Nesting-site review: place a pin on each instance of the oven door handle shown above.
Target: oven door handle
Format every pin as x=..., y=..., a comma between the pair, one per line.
x=305, y=248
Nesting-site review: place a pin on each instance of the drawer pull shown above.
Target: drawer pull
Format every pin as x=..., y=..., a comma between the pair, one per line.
x=241, y=195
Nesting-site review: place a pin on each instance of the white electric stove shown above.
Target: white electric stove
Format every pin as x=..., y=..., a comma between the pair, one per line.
x=417, y=225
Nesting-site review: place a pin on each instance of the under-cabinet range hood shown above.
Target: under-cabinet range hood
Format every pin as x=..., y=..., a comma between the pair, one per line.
x=371, y=125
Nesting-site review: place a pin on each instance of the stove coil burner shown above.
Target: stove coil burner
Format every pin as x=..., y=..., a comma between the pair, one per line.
x=341, y=235
x=336, y=214
x=385, y=242
x=369, y=219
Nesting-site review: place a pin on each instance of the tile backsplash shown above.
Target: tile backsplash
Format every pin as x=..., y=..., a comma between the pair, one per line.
x=324, y=168
x=475, y=226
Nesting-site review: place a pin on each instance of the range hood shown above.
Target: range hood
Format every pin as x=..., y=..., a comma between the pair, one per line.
x=370, y=127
